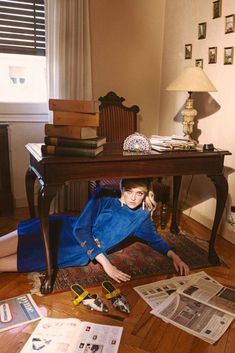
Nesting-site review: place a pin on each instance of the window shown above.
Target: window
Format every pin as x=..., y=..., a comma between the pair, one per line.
x=22, y=78
x=22, y=27
x=22, y=59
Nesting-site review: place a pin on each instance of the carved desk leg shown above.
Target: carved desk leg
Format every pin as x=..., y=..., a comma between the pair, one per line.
x=176, y=189
x=45, y=196
x=30, y=177
x=221, y=186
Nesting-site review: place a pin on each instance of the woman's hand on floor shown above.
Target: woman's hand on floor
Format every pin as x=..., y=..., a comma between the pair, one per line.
x=180, y=266
x=111, y=270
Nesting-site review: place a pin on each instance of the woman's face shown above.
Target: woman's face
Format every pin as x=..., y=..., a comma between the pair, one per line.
x=133, y=197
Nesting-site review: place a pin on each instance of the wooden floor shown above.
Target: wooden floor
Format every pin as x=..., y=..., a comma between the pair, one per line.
x=143, y=332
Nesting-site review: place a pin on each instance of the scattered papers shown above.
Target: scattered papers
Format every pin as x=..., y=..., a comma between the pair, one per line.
x=18, y=311
x=171, y=143
x=70, y=335
x=208, y=291
x=197, y=304
x=156, y=292
x=194, y=317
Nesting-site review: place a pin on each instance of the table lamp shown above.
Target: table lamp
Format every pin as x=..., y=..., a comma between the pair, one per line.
x=192, y=79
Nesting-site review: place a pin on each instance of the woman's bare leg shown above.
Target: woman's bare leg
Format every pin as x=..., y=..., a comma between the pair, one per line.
x=8, y=244
x=8, y=263
x=8, y=252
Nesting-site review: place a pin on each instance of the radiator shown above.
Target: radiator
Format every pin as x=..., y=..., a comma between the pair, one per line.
x=72, y=196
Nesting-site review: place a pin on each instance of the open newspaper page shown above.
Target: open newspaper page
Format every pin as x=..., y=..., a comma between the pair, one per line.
x=156, y=292
x=18, y=311
x=71, y=335
x=194, y=317
x=98, y=338
x=206, y=290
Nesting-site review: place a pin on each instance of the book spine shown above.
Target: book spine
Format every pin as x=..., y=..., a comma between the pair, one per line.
x=70, y=151
x=60, y=141
x=71, y=118
x=80, y=106
x=85, y=143
x=54, y=131
x=73, y=132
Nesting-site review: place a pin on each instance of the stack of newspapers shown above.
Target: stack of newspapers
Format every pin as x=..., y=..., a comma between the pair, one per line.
x=197, y=304
x=171, y=143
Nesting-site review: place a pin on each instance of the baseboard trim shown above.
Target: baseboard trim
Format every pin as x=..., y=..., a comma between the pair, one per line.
x=200, y=218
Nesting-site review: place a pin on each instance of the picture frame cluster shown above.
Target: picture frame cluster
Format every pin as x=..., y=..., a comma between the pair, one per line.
x=229, y=23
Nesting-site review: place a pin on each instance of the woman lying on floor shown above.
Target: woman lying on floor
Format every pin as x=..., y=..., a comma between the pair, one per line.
x=105, y=222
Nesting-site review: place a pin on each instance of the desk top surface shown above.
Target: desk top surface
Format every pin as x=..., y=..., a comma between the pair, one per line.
x=114, y=151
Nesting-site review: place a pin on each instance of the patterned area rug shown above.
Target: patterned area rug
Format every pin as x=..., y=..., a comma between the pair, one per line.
x=137, y=259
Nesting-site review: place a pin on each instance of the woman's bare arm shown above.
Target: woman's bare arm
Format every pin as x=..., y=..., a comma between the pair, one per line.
x=111, y=270
x=180, y=266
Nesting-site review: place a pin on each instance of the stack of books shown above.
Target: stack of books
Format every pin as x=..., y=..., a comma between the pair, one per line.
x=74, y=129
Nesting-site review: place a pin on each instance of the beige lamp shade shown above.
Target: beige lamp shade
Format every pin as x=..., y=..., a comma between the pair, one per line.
x=192, y=79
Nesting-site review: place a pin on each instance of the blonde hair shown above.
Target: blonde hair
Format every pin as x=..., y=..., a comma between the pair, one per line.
x=146, y=184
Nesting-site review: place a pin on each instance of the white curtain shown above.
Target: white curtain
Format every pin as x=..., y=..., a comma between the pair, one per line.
x=68, y=49
x=68, y=70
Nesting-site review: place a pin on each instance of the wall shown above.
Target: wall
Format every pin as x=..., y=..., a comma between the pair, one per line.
x=216, y=110
x=127, y=38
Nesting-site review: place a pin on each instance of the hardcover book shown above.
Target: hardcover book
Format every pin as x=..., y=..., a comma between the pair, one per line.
x=70, y=151
x=72, y=118
x=80, y=132
x=87, y=143
x=80, y=106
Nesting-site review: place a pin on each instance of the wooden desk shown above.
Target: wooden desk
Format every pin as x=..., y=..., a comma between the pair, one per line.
x=52, y=172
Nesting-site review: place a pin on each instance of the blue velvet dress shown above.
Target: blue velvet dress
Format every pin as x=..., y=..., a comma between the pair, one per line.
x=75, y=241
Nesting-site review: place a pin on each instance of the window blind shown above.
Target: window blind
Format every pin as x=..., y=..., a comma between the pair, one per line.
x=22, y=27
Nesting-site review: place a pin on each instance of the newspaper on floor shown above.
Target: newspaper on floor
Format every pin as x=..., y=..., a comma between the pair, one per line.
x=18, y=311
x=156, y=292
x=70, y=335
x=197, y=304
x=208, y=291
x=194, y=317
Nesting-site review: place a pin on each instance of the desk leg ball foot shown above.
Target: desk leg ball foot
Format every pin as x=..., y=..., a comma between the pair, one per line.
x=46, y=286
x=214, y=258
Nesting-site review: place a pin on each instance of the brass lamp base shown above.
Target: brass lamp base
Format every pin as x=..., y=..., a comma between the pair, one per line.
x=188, y=115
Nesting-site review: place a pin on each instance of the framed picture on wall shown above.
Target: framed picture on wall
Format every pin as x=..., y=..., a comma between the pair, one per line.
x=188, y=51
x=229, y=24
x=202, y=30
x=212, y=55
x=199, y=63
x=228, y=56
x=217, y=9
